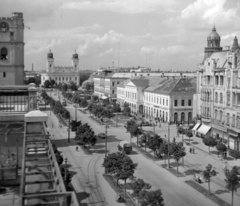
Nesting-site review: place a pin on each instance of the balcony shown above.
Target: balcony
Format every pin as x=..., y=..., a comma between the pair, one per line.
x=206, y=119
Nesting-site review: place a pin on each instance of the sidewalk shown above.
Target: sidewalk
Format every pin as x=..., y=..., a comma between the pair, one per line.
x=87, y=185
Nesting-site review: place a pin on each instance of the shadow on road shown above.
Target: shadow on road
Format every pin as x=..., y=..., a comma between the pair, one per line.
x=64, y=142
x=219, y=192
x=133, y=153
x=192, y=172
x=82, y=196
x=195, y=142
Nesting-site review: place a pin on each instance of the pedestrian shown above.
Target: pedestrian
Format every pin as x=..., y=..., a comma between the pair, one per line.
x=193, y=150
x=190, y=150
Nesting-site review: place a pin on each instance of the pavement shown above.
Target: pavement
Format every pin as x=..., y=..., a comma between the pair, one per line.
x=92, y=189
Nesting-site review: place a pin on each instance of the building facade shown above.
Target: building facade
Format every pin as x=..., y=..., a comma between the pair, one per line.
x=218, y=93
x=12, y=50
x=169, y=99
x=61, y=74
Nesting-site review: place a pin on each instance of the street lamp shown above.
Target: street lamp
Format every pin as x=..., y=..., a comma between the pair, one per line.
x=65, y=161
x=106, y=126
x=168, y=144
x=76, y=112
x=69, y=130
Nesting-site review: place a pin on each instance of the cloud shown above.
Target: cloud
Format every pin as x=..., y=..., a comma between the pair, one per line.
x=98, y=44
x=120, y=6
x=106, y=53
x=205, y=12
x=163, y=51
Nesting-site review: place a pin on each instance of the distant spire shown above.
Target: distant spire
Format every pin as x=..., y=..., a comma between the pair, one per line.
x=214, y=28
x=235, y=44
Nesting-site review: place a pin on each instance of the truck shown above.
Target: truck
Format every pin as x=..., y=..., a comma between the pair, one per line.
x=125, y=146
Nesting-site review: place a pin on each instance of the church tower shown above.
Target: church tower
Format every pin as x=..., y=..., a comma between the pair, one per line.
x=213, y=44
x=50, y=62
x=12, y=50
x=75, y=62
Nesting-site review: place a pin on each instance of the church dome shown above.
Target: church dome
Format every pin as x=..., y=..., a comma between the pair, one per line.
x=50, y=54
x=75, y=55
x=213, y=35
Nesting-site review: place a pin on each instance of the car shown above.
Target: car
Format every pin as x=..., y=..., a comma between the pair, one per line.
x=102, y=135
x=146, y=124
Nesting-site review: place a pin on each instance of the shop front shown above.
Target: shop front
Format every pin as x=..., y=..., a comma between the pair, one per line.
x=233, y=139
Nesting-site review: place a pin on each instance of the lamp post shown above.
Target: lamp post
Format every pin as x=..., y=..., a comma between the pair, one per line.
x=168, y=144
x=106, y=126
x=65, y=161
x=69, y=130
x=76, y=112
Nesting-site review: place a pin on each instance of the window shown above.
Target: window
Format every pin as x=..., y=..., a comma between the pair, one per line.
x=216, y=97
x=227, y=120
x=175, y=103
x=112, y=91
x=163, y=102
x=221, y=98
x=4, y=54
x=113, y=84
x=166, y=102
x=12, y=34
x=182, y=102
x=228, y=98
x=4, y=74
x=189, y=102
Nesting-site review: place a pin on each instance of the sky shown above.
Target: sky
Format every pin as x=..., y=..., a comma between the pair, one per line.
x=160, y=34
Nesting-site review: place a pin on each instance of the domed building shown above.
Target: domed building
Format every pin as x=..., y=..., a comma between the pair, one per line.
x=213, y=44
x=61, y=74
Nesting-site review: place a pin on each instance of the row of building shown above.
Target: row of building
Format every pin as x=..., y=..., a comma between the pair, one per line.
x=210, y=96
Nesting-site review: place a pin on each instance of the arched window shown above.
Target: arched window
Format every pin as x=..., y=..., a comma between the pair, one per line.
x=4, y=54
x=183, y=117
x=216, y=97
x=221, y=98
x=175, y=117
x=189, y=117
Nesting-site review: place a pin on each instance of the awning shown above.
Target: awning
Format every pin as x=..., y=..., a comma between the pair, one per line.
x=104, y=97
x=233, y=134
x=204, y=129
x=196, y=127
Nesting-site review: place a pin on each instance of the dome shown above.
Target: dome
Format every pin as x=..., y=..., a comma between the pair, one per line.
x=50, y=54
x=75, y=55
x=213, y=35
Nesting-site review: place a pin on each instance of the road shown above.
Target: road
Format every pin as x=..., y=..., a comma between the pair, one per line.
x=175, y=191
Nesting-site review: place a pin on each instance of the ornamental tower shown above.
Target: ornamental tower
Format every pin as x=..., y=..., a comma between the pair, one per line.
x=213, y=44
x=50, y=62
x=75, y=62
x=12, y=50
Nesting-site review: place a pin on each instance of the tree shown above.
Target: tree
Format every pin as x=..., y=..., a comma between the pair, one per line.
x=66, y=175
x=119, y=165
x=222, y=148
x=84, y=77
x=52, y=82
x=73, y=86
x=137, y=186
x=152, y=198
x=127, y=170
x=154, y=142
x=132, y=128
x=65, y=87
x=164, y=150
x=189, y=134
x=232, y=180
x=210, y=142
x=46, y=84
x=179, y=152
x=88, y=85
x=208, y=173
x=126, y=109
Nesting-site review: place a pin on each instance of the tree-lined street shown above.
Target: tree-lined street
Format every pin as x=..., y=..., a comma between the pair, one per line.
x=148, y=170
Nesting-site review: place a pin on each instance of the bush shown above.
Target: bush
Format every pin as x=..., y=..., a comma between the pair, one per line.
x=189, y=133
x=234, y=153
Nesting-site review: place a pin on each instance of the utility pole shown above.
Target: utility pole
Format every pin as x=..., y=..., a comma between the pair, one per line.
x=106, y=138
x=69, y=130
x=76, y=112
x=168, y=144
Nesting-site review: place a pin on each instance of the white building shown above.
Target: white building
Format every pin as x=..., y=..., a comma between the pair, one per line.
x=61, y=74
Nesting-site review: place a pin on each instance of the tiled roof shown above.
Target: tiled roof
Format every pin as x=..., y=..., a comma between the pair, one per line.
x=220, y=58
x=176, y=85
x=140, y=82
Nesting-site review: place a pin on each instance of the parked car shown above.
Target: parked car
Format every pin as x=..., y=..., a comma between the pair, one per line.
x=101, y=135
x=146, y=124
x=124, y=146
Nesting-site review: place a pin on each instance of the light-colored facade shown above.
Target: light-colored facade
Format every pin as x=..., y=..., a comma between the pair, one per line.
x=218, y=94
x=12, y=50
x=61, y=74
x=159, y=97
